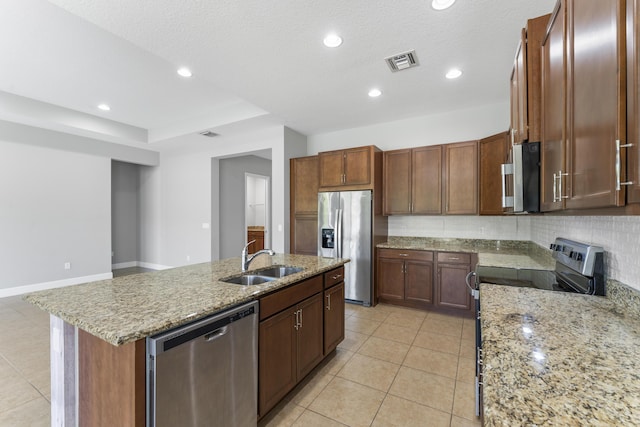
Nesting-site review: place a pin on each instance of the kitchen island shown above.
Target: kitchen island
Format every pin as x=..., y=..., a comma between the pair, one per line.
x=112, y=319
x=553, y=358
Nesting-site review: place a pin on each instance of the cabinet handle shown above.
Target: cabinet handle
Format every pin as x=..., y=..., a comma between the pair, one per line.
x=329, y=302
x=555, y=187
x=297, y=325
x=336, y=277
x=454, y=258
x=618, y=164
x=560, y=175
x=403, y=254
x=300, y=318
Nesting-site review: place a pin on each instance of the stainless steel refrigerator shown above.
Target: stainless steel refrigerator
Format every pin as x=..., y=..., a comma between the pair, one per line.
x=345, y=230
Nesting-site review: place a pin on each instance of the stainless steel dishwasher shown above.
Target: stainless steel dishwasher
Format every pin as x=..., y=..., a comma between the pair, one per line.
x=205, y=373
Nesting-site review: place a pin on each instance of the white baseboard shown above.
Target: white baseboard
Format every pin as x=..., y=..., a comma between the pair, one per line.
x=19, y=290
x=139, y=264
x=153, y=266
x=124, y=265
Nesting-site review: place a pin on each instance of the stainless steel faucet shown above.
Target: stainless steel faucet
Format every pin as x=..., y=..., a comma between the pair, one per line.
x=246, y=261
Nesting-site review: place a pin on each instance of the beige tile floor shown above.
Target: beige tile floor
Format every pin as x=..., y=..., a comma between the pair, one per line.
x=396, y=367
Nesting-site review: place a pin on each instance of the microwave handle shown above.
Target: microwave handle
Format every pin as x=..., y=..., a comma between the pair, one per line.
x=506, y=169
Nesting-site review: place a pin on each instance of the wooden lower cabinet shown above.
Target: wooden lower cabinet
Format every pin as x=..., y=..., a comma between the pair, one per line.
x=310, y=335
x=405, y=277
x=299, y=326
x=277, y=360
x=333, y=317
x=452, y=291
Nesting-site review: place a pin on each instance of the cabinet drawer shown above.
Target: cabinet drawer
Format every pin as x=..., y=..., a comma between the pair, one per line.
x=406, y=254
x=454, y=258
x=333, y=277
x=278, y=301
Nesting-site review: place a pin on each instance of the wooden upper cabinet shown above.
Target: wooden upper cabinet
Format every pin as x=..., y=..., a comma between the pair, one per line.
x=526, y=85
x=494, y=151
x=553, y=119
x=353, y=168
x=413, y=181
x=397, y=182
x=633, y=104
x=426, y=184
x=519, y=123
x=304, y=185
x=596, y=102
x=584, y=125
x=461, y=178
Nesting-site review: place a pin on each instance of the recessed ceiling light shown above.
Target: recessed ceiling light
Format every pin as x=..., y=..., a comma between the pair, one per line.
x=442, y=4
x=332, y=40
x=453, y=73
x=184, y=72
x=104, y=107
x=375, y=92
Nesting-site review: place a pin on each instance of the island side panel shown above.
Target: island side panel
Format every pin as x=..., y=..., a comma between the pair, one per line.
x=111, y=382
x=63, y=372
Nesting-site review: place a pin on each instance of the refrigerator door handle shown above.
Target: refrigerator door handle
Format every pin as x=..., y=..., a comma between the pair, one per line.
x=339, y=232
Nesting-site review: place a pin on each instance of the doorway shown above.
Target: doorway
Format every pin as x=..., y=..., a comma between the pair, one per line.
x=257, y=211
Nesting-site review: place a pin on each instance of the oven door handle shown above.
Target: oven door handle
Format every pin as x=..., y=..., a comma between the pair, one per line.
x=475, y=293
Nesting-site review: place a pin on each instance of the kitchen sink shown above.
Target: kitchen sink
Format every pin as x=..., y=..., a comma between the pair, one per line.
x=249, y=279
x=279, y=271
x=262, y=276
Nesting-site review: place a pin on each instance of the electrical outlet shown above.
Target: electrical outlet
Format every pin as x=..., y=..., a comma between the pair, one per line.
x=67, y=266
x=205, y=225
x=188, y=258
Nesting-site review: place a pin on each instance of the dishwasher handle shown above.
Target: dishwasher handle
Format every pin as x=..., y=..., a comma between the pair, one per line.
x=216, y=334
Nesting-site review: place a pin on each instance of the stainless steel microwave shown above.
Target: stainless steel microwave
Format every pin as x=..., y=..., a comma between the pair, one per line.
x=521, y=179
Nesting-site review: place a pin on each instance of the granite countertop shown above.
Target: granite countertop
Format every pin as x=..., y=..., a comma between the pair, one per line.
x=516, y=254
x=553, y=358
x=128, y=308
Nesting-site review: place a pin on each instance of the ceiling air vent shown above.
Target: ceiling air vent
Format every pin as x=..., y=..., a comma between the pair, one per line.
x=209, y=134
x=402, y=61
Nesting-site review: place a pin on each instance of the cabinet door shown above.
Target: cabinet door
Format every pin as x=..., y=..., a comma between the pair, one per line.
x=333, y=317
x=461, y=178
x=596, y=111
x=331, y=168
x=633, y=102
x=520, y=74
x=452, y=288
x=304, y=185
x=418, y=281
x=553, y=112
x=493, y=153
x=397, y=182
x=305, y=235
x=310, y=335
x=390, y=278
x=277, y=359
x=357, y=166
x=426, y=185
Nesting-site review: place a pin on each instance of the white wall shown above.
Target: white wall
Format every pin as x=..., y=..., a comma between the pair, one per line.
x=55, y=207
x=186, y=182
x=455, y=126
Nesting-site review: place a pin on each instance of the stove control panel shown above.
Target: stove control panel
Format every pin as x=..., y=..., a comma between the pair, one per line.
x=575, y=255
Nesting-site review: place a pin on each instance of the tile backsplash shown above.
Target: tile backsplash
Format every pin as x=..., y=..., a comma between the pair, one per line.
x=618, y=235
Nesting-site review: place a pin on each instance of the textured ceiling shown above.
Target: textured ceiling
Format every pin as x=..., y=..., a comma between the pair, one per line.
x=254, y=56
